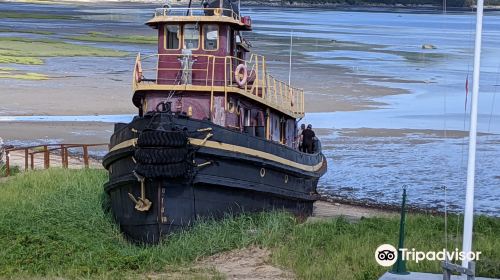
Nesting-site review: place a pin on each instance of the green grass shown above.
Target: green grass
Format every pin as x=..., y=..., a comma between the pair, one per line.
x=31, y=51
x=12, y=73
x=342, y=250
x=52, y=224
x=103, y=37
x=23, y=76
x=13, y=170
x=9, y=59
x=39, y=32
x=17, y=15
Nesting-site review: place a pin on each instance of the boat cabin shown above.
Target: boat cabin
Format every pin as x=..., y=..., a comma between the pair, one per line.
x=204, y=69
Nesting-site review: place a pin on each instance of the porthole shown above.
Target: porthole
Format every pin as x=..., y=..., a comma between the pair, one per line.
x=262, y=172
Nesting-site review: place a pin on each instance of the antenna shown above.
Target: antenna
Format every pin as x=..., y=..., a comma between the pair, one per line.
x=290, y=66
x=189, y=8
x=471, y=167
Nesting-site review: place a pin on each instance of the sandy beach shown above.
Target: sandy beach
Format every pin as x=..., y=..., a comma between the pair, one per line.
x=23, y=133
x=82, y=85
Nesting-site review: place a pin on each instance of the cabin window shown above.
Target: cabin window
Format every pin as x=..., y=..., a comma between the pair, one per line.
x=172, y=37
x=191, y=36
x=210, y=37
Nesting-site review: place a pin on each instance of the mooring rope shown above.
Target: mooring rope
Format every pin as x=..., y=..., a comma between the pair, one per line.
x=496, y=85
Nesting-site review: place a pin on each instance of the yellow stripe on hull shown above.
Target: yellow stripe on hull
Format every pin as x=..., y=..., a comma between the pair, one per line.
x=237, y=149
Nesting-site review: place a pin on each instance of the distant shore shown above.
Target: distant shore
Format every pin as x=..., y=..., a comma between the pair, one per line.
x=287, y=4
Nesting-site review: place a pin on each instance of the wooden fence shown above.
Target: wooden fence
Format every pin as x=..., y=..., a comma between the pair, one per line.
x=49, y=150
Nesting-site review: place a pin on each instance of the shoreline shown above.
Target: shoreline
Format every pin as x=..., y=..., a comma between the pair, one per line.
x=282, y=4
x=28, y=133
x=384, y=207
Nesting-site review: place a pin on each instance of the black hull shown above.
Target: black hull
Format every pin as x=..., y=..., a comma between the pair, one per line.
x=228, y=172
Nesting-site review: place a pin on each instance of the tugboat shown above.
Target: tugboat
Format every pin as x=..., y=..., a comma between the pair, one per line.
x=215, y=132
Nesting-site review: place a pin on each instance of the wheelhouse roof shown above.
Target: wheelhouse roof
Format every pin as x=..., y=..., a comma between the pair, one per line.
x=198, y=15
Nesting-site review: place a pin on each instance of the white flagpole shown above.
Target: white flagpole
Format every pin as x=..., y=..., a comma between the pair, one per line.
x=471, y=166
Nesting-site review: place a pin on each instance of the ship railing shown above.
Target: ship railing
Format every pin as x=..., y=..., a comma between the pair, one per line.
x=277, y=93
x=216, y=73
x=167, y=69
x=163, y=12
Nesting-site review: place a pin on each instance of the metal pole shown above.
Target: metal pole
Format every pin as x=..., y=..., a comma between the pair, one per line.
x=290, y=66
x=471, y=167
x=400, y=265
x=188, y=13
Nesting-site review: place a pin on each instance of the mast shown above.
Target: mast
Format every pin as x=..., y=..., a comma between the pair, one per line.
x=471, y=166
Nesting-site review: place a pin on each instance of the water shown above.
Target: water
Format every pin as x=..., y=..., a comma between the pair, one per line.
x=390, y=45
x=96, y=118
x=374, y=168
x=372, y=165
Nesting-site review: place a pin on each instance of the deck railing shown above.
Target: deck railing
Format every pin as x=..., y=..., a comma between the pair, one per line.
x=163, y=12
x=217, y=73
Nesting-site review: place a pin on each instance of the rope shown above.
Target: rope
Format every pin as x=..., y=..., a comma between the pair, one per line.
x=494, y=97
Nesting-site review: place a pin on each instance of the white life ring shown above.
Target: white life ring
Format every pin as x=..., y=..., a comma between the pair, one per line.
x=241, y=81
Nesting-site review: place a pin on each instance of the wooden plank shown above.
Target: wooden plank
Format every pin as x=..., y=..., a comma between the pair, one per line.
x=46, y=157
x=26, y=154
x=7, y=164
x=86, y=156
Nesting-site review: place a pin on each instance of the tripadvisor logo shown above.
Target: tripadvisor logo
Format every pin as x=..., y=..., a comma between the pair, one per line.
x=386, y=255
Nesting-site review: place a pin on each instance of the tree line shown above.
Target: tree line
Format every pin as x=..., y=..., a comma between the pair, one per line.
x=449, y=3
